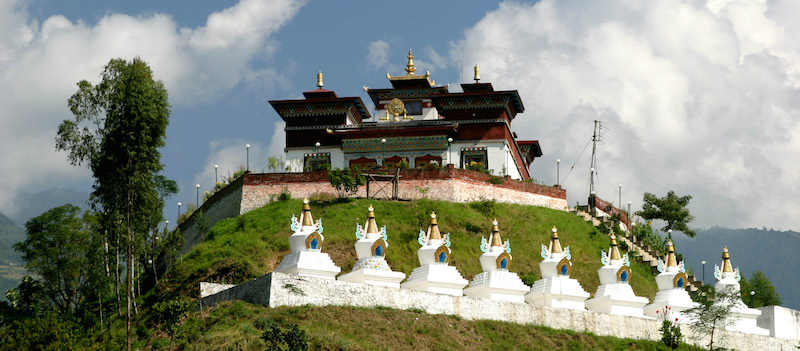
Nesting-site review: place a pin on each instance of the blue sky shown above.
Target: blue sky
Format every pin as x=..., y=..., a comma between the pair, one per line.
x=696, y=97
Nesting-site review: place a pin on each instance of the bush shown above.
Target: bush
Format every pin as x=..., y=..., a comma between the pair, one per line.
x=476, y=166
x=345, y=182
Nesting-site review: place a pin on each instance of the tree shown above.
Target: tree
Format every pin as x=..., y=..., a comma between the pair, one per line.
x=56, y=249
x=714, y=312
x=764, y=291
x=119, y=125
x=345, y=182
x=671, y=209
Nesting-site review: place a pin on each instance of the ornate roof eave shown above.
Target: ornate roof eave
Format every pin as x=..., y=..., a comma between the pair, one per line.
x=514, y=100
x=304, y=104
x=415, y=93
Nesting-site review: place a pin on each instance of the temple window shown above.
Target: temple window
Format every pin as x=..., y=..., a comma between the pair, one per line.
x=474, y=158
x=363, y=163
x=413, y=107
x=316, y=162
x=427, y=159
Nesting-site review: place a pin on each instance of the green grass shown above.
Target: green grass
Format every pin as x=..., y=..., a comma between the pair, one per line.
x=253, y=244
x=233, y=325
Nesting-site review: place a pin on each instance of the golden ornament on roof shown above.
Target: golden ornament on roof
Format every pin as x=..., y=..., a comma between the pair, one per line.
x=396, y=107
x=410, y=66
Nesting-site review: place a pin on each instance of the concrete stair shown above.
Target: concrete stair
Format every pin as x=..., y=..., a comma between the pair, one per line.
x=646, y=253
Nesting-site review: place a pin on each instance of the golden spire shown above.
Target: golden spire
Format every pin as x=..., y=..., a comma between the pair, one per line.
x=614, y=249
x=319, y=79
x=307, y=221
x=372, y=227
x=477, y=73
x=410, y=66
x=671, y=261
x=726, y=261
x=434, y=228
x=555, y=246
x=496, y=240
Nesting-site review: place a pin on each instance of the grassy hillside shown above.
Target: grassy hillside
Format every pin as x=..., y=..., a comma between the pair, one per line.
x=251, y=245
x=237, y=326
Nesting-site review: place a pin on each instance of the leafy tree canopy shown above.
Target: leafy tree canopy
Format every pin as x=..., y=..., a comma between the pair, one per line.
x=764, y=291
x=56, y=249
x=671, y=209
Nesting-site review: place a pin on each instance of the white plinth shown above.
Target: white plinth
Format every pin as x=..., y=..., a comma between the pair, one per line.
x=436, y=278
x=560, y=291
x=498, y=285
x=309, y=264
x=677, y=299
x=617, y=298
x=374, y=271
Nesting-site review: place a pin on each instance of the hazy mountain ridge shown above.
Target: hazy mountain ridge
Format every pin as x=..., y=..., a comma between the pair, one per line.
x=773, y=252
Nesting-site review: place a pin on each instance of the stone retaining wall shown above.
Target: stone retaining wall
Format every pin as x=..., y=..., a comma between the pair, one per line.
x=277, y=289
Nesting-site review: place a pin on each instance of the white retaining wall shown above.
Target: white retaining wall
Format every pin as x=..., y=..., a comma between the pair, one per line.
x=277, y=289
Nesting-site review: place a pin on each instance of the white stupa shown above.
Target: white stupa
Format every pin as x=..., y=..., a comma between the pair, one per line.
x=671, y=289
x=496, y=282
x=434, y=274
x=615, y=295
x=307, y=258
x=744, y=318
x=371, y=267
x=556, y=288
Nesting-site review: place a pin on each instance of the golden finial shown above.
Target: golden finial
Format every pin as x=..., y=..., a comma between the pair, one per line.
x=496, y=240
x=477, y=73
x=307, y=220
x=555, y=245
x=726, y=260
x=614, y=249
x=410, y=66
x=372, y=227
x=319, y=79
x=671, y=260
x=434, y=227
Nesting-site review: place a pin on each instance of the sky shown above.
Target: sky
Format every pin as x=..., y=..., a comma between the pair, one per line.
x=697, y=97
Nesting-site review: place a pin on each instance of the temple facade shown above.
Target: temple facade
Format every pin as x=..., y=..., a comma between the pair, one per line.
x=417, y=124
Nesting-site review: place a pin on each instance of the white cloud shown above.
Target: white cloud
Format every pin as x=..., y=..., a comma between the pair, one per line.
x=41, y=63
x=700, y=99
x=378, y=54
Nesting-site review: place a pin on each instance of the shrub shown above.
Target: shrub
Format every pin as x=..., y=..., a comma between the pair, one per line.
x=345, y=182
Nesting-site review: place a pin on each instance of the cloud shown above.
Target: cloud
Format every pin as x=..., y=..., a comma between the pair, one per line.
x=700, y=99
x=378, y=54
x=41, y=63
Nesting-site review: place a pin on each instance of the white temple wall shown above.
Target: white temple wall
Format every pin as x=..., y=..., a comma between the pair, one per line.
x=276, y=289
x=781, y=322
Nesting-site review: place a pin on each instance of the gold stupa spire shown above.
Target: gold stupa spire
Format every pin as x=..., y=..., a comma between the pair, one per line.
x=307, y=221
x=496, y=240
x=434, y=228
x=319, y=80
x=555, y=246
x=372, y=227
x=671, y=261
x=477, y=73
x=726, y=261
x=410, y=66
x=614, y=249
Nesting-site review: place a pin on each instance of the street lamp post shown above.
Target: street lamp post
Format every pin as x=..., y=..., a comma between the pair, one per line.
x=449, y=149
x=216, y=175
x=704, y=271
x=179, y=212
x=197, y=196
x=166, y=226
x=316, y=146
x=248, y=156
x=620, y=196
x=505, y=158
x=383, y=147
x=558, y=172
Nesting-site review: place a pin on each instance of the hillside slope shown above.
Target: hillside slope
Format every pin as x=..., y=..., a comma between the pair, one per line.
x=253, y=244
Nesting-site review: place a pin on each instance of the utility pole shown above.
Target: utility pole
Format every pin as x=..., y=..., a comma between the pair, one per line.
x=595, y=139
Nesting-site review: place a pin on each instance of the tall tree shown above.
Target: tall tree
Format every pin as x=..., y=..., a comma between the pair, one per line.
x=56, y=249
x=671, y=209
x=118, y=127
x=758, y=291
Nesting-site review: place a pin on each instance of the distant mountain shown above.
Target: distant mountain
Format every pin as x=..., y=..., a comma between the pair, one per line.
x=33, y=204
x=773, y=252
x=11, y=269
